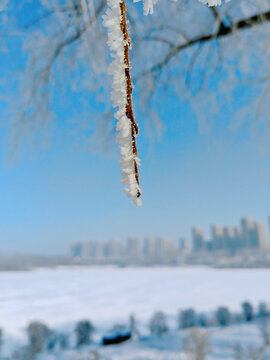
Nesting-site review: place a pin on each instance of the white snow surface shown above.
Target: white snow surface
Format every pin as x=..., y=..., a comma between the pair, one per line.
x=109, y=294
x=111, y=21
x=171, y=346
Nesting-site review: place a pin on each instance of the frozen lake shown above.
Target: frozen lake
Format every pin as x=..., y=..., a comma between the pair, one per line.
x=106, y=294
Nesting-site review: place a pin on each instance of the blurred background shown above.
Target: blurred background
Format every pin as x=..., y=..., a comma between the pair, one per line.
x=84, y=274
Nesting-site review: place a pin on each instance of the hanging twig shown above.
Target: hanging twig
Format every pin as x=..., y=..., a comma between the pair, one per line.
x=129, y=109
x=119, y=43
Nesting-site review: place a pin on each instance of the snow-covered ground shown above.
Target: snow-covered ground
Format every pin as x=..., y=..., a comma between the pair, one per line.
x=109, y=294
x=171, y=346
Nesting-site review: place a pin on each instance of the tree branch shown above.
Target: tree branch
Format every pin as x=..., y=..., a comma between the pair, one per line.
x=222, y=31
x=129, y=108
x=70, y=40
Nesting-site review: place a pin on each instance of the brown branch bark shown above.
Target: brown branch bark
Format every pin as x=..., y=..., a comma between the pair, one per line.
x=129, y=108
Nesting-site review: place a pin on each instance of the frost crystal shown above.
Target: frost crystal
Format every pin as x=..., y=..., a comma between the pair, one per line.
x=148, y=6
x=129, y=160
x=213, y=2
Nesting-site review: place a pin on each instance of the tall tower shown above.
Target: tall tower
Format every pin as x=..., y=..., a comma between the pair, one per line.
x=76, y=249
x=250, y=237
x=229, y=238
x=218, y=237
x=198, y=241
x=254, y=234
x=262, y=236
x=184, y=245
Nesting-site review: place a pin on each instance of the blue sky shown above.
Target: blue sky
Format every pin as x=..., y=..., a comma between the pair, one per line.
x=188, y=178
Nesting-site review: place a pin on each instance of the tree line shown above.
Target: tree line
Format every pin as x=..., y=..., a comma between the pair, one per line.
x=41, y=338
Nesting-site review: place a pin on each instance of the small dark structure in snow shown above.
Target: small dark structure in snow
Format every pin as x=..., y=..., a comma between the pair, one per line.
x=116, y=339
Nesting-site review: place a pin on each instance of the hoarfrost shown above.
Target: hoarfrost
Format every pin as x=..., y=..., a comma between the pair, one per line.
x=116, y=42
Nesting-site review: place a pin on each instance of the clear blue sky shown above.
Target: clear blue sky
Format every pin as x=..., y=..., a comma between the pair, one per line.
x=188, y=178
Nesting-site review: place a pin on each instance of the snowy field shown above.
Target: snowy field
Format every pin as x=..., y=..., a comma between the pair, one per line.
x=222, y=342
x=106, y=295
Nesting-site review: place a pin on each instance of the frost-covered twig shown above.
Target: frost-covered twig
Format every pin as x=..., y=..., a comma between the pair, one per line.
x=119, y=43
x=213, y=2
x=148, y=5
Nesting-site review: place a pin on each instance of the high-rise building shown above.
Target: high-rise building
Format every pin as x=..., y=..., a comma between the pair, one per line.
x=165, y=248
x=87, y=249
x=91, y=249
x=133, y=247
x=226, y=238
x=184, y=245
x=250, y=237
x=99, y=249
x=149, y=247
x=114, y=249
x=262, y=236
x=76, y=249
x=229, y=237
x=239, y=237
x=254, y=234
x=198, y=241
x=218, y=237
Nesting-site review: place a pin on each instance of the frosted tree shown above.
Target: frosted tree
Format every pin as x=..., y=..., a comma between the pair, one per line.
x=264, y=329
x=223, y=316
x=38, y=334
x=158, y=323
x=197, y=344
x=219, y=61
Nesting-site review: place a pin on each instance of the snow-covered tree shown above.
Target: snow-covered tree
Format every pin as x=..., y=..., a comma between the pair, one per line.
x=223, y=316
x=187, y=318
x=38, y=334
x=248, y=312
x=158, y=323
x=212, y=58
x=84, y=330
x=197, y=344
x=264, y=329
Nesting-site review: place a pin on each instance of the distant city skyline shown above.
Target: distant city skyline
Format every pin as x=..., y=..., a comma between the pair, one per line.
x=206, y=232
x=249, y=234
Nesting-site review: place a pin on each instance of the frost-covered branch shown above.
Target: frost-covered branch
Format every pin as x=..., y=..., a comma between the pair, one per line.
x=222, y=31
x=119, y=43
x=148, y=5
x=213, y=2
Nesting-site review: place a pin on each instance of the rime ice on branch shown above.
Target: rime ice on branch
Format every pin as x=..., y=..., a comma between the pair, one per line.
x=148, y=5
x=213, y=2
x=119, y=43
